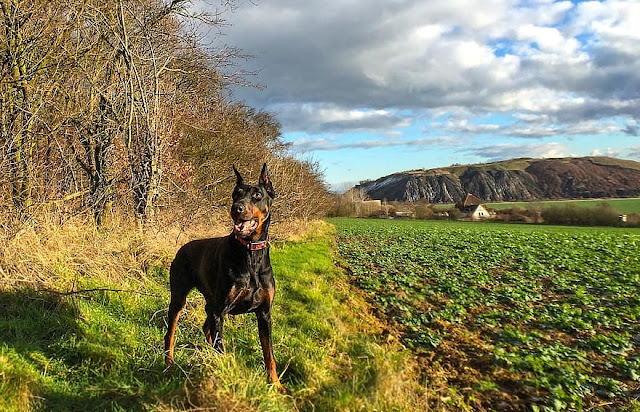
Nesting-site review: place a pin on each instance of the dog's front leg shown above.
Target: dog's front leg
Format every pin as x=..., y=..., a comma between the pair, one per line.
x=264, y=331
x=212, y=328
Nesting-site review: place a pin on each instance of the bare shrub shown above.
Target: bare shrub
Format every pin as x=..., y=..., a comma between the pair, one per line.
x=348, y=204
x=571, y=214
x=423, y=211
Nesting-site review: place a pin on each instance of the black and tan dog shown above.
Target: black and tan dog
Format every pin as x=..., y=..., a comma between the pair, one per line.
x=233, y=272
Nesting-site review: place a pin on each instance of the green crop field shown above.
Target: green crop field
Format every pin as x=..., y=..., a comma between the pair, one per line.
x=508, y=317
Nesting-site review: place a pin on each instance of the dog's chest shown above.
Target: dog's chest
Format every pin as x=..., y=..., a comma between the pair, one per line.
x=247, y=294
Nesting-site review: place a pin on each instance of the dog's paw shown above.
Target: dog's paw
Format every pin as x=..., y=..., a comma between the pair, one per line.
x=280, y=387
x=168, y=360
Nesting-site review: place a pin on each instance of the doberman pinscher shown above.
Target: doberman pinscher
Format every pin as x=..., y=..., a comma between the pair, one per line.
x=232, y=272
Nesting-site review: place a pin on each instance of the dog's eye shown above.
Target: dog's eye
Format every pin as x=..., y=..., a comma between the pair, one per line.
x=257, y=195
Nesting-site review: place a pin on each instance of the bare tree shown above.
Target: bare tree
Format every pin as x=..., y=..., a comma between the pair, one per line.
x=153, y=43
x=122, y=100
x=30, y=34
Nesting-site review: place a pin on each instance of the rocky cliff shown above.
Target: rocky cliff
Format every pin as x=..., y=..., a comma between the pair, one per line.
x=513, y=180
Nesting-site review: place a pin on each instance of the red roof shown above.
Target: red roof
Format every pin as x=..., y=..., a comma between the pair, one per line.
x=470, y=200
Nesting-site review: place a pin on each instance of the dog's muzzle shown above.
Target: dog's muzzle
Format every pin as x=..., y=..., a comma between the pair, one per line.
x=245, y=228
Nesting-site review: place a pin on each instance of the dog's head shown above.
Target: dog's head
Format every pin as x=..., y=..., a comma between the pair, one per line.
x=251, y=209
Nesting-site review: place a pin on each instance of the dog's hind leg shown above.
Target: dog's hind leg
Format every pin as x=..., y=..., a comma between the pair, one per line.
x=178, y=300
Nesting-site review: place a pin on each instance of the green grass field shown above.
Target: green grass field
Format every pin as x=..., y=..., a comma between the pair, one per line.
x=627, y=206
x=508, y=316
x=102, y=350
x=622, y=205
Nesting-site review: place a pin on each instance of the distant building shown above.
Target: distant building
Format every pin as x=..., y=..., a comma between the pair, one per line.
x=473, y=208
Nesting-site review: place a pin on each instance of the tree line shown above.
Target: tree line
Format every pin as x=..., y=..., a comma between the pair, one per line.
x=121, y=106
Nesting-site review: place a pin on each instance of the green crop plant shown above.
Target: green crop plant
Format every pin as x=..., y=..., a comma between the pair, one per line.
x=540, y=317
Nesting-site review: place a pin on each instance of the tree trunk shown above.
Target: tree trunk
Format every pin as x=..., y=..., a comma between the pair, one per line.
x=16, y=113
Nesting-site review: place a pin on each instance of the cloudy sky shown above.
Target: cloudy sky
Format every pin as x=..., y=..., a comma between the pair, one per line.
x=372, y=87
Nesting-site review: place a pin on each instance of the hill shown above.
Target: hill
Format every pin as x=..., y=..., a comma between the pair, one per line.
x=513, y=180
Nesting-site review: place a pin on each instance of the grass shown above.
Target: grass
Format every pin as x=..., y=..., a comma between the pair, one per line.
x=512, y=164
x=622, y=205
x=102, y=350
x=507, y=316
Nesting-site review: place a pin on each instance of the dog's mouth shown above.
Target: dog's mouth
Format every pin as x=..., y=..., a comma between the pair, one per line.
x=245, y=228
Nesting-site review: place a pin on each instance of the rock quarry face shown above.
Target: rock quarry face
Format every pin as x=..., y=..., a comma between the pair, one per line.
x=498, y=185
x=444, y=187
x=526, y=179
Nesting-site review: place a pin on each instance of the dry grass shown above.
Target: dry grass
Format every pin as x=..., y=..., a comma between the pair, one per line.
x=47, y=253
x=51, y=255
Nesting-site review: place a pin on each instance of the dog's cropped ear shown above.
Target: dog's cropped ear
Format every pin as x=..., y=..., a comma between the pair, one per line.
x=265, y=181
x=239, y=179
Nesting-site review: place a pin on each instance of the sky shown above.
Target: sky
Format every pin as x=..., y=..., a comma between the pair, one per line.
x=371, y=87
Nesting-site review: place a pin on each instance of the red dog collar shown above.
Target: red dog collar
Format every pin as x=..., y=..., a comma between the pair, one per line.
x=253, y=245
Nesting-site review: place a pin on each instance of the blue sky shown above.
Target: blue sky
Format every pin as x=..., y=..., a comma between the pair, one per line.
x=368, y=88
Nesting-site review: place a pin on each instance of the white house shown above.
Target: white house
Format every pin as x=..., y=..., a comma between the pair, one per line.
x=473, y=208
x=476, y=212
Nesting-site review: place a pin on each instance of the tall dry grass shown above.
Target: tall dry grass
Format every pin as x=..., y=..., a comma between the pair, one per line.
x=48, y=252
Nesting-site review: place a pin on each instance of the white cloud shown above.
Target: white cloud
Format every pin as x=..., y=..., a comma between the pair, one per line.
x=607, y=152
x=530, y=117
x=325, y=118
x=535, y=100
x=508, y=151
x=540, y=13
x=333, y=143
x=472, y=54
x=464, y=126
x=537, y=126
x=548, y=39
x=615, y=23
x=394, y=134
x=634, y=152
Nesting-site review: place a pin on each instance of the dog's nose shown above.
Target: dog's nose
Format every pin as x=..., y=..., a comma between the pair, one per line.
x=238, y=208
